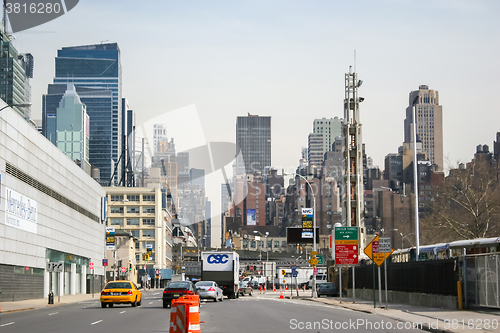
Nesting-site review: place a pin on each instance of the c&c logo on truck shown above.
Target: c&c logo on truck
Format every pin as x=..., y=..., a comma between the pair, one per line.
x=217, y=258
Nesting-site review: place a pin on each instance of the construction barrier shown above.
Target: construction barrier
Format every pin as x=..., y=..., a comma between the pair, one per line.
x=185, y=315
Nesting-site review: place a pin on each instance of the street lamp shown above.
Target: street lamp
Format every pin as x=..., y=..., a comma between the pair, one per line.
x=21, y=105
x=266, y=235
x=403, y=238
x=415, y=175
x=314, y=293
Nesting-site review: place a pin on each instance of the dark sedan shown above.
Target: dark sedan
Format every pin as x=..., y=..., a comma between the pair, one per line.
x=327, y=289
x=176, y=289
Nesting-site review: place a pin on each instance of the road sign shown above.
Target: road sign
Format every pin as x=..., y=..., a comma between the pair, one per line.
x=320, y=259
x=91, y=265
x=346, y=235
x=331, y=242
x=294, y=273
x=110, y=230
x=55, y=266
x=315, y=271
x=378, y=258
x=313, y=253
x=105, y=262
x=293, y=267
x=346, y=254
x=313, y=261
x=384, y=245
x=124, y=269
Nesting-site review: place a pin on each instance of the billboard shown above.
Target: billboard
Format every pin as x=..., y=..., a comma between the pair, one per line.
x=307, y=218
x=301, y=235
x=251, y=217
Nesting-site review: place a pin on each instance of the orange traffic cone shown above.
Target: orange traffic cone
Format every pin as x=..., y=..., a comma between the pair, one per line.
x=261, y=289
x=286, y=287
x=274, y=288
x=264, y=287
x=282, y=296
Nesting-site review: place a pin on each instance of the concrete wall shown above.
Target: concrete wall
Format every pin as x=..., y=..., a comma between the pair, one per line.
x=433, y=301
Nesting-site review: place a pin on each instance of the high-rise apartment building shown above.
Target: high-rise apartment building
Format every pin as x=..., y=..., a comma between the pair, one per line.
x=97, y=66
x=429, y=123
x=253, y=139
x=321, y=140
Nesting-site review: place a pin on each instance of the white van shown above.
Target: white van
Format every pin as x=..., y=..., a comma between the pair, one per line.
x=320, y=278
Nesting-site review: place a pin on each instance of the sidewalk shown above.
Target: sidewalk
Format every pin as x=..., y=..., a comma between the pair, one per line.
x=429, y=319
x=32, y=304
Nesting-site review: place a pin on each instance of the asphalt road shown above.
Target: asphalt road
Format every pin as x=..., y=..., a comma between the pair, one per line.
x=258, y=313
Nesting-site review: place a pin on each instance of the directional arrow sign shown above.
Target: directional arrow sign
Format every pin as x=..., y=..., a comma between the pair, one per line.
x=378, y=258
x=346, y=235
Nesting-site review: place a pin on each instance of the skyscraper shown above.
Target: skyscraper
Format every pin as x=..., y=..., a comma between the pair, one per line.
x=429, y=123
x=98, y=104
x=72, y=128
x=97, y=66
x=253, y=138
x=15, y=72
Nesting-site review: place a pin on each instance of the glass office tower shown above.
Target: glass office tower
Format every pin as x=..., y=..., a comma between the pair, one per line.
x=97, y=66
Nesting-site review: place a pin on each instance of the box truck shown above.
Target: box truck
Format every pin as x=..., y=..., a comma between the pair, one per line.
x=223, y=268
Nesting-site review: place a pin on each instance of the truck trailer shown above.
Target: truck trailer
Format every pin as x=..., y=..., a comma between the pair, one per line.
x=223, y=268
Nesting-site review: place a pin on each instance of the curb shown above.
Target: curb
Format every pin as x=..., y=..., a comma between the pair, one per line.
x=17, y=310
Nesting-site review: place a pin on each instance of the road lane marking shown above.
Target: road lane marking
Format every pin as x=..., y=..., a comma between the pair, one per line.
x=7, y=324
x=50, y=314
x=123, y=312
x=156, y=294
x=150, y=302
x=97, y=322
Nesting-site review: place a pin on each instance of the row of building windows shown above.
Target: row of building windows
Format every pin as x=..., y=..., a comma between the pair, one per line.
x=133, y=197
x=120, y=221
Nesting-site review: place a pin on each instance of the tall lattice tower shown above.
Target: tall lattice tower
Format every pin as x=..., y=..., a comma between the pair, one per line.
x=353, y=206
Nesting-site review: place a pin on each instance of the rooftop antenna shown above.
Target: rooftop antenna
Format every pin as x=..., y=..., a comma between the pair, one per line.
x=354, y=61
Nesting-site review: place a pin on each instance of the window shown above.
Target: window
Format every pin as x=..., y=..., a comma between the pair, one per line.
x=276, y=244
x=148, y=233
x=116, y=221
x=133, y=210
x=252, y=244
x=133, y=197
x=283, y=243
x=148, y=209
x=116, y=210
x=133, y=221
x=148, y=197
x=137, y=257
x=137, y=245
x=135, y=233
x=269, y=244
x=117, y=198
x=148, y=221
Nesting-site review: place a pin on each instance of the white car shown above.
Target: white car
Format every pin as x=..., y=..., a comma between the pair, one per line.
x=209, y=290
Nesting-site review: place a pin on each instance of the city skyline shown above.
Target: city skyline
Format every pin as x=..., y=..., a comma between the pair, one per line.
x=231, y=59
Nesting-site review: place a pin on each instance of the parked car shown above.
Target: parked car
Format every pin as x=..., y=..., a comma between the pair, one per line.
x=327, y=289
x=244, y=288
x=176, y=289
x=320, y=278
x=209, y=290
x=120, y=292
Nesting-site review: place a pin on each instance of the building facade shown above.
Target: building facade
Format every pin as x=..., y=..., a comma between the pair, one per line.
x=429, y=123
x=97, y=66
x=322, y=139
x=145, y=213
x=50, y=212
x=253, y=139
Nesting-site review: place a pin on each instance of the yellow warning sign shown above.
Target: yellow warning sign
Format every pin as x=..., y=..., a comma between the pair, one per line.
x=378, y=258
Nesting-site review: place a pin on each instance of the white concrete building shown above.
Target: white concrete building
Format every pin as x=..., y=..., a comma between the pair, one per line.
x=50, y=211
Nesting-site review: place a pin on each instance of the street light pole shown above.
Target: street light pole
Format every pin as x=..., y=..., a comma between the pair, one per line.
x=314, y=293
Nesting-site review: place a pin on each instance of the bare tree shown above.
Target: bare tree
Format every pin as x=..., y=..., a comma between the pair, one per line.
x=467, y=206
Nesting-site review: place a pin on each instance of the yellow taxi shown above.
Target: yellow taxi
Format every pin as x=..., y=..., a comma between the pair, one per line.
x=120, y=292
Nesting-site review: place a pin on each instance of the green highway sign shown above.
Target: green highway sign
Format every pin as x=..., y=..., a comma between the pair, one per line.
x=320, y=259
x=346, y=233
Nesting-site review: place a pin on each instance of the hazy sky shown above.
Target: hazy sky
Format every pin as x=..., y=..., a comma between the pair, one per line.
x=287, y=59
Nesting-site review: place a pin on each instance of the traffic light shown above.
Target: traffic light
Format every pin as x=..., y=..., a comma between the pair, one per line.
x=146, y=257
x=130, y=266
